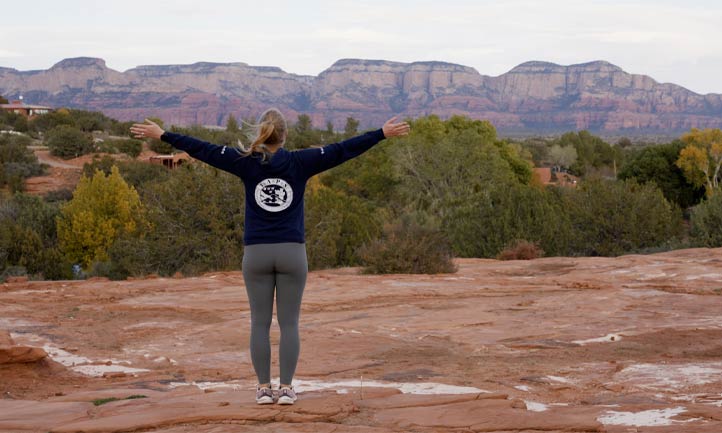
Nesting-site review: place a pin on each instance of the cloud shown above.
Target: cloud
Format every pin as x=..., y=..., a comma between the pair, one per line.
x=8, y=53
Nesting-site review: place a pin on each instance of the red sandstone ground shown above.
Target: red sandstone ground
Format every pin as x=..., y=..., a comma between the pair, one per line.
x=65, y=173
x=628, y=344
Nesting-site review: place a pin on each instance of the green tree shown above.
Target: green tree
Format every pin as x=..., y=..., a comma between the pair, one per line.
x=502, y=213
x=563, y=157
x=657, y=163
x=28, y=240
x=17, y=162
x=441, y=164
x=351, y=127
x=370, y=177
x=68, y=142
x=303, y=124
x=706, y=222
x=337, y=225
x=302, y=135
x=196, y=219
x=135, y=173
x=610, y=218
x=103, y=208
x=21, y=123
x=592, y=152
x=89, y=121
x=232, y=125
x=51, y=120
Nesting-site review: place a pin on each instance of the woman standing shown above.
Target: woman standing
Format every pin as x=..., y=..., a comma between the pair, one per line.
x=274, y=257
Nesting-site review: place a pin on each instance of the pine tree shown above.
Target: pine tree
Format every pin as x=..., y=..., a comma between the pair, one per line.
x=232, y=124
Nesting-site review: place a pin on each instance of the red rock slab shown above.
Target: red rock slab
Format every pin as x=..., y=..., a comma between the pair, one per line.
x=279, y=427
x=167, y=416
x=490, y=415
x=414, y=400
x=20, y=354
x=26, y=415
x=713, y=427
x=203, y=408
x=120, y=393
x=5, y=339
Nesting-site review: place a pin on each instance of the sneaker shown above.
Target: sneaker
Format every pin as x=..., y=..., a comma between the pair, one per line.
x=286, y=395
x=264, y=395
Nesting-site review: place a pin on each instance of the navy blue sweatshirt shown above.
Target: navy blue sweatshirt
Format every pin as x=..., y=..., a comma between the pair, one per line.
x=274, y=190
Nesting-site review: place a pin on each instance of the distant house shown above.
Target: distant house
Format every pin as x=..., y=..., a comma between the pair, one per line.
x=30, y=111
x=552, y=176
x=170, y=161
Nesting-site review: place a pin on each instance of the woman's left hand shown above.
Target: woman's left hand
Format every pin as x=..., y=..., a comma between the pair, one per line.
x=149, y=129
x=393, y=129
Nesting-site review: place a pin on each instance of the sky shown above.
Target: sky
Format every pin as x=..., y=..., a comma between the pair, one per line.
x=670, y=40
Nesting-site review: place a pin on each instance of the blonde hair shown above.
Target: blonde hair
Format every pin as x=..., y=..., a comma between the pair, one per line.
x=271, y=129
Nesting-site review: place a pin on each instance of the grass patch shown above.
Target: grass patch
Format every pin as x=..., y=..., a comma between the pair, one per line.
x=102, y=401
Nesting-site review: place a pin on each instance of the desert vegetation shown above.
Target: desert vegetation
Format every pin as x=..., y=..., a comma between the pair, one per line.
x=452, y=188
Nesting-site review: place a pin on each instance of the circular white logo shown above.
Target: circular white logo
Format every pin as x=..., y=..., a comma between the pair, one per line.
x=274, y=195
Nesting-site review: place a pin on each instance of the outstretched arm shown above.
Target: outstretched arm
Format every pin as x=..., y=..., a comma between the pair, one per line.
x=221, y=157
x=319, y=159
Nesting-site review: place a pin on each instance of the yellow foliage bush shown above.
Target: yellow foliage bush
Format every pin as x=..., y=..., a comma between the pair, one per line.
x=103, y=208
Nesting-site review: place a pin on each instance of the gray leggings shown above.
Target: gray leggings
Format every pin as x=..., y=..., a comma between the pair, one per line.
x=282, y=267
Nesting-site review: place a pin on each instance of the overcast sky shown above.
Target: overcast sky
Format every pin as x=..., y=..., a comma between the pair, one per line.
x=671, y=40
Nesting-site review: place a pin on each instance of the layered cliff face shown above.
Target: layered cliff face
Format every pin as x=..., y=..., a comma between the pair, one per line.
x=532, y=97
x=379, y=89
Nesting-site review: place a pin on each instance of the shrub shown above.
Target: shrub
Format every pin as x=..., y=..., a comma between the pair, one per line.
x=160, y=147
x=104, y=164
x=58, y=195
x=485, y=222
x=135, y=173
x=68, y=142
x=102, y=209
x=138, y=173
x=108, y=269
x=521, y=250
x=105, y=146
x=610, y=218
x=89, y=120
x=12, y=271
x=129, y=146
x=28, y=238
x=49, y=121
x=17, y=162
x=408, y=249
x=706, y=222
x=656, y=163
x=196, y=225
x=120, y=128
x=336, y=226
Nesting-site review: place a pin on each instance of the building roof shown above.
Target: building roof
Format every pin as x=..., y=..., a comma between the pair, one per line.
x=16, y=104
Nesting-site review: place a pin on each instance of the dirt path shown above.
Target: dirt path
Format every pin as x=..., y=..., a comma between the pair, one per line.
x=44, y=157
x=628, y=344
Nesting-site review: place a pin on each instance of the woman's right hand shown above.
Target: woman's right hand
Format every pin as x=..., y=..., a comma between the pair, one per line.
x=393, y=129
x=149, y=129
